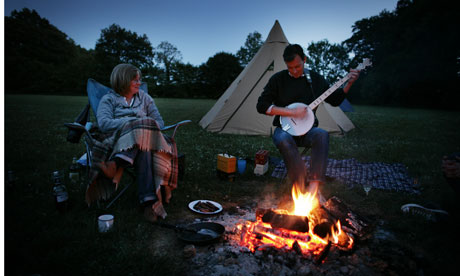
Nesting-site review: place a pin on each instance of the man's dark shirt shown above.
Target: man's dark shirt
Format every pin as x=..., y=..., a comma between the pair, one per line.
x=282, y=90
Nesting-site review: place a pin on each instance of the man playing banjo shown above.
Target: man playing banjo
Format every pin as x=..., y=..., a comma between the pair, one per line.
x=298, y=85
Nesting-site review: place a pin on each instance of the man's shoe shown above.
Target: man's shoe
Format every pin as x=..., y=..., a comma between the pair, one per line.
x=429, y=214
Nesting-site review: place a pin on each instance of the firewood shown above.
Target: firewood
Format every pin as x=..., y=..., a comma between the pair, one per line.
x=350, y=221
x=282, y=234
x=323, y=253
x=296, y=248
x=284, y=221
x=323, y=229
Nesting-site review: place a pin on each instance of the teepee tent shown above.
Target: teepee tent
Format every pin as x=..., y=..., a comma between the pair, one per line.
x=346, y=106
x=235, y=111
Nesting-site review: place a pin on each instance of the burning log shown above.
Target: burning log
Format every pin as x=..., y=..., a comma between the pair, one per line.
x=283, y=221
x=323, y=229
x=324, y=253
x=282, y=234
x=351, y=222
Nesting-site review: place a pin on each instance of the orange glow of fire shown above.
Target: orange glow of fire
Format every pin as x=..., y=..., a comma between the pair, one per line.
x=257, y=235
x=304, y=203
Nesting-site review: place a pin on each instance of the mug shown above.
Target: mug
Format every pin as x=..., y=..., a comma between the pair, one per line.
x=105, y=223
x=241, y=166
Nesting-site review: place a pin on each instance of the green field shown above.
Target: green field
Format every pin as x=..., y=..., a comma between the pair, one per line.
x=40, y=240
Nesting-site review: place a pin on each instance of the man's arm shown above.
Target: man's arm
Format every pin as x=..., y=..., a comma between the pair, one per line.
x=298, y=112
x=266, y=102
x=354, y=76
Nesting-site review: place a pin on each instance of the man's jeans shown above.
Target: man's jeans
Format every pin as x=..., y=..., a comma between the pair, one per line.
x=317, y=139
x=143, y=164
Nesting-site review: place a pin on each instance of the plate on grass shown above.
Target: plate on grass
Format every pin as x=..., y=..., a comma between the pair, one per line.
x=203, y=206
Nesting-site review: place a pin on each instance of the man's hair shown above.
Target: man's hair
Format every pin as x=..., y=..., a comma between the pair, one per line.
x=291, y=51
x=121, y=77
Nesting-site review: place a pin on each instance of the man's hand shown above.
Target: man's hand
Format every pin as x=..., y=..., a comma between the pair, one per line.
x=298, y=112
x=354, y=75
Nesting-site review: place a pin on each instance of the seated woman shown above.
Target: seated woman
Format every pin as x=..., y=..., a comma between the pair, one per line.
x=129, y=119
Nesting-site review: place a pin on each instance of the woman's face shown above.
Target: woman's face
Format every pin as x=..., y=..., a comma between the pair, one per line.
x=135, y=84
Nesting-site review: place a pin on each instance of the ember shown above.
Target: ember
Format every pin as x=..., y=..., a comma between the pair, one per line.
x=308, y=229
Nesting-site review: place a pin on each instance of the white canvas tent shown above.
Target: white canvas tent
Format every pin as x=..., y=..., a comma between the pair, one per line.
x=235, y=111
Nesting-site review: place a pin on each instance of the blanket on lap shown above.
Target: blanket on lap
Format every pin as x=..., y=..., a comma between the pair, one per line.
x=144, y=134
x=350, y=172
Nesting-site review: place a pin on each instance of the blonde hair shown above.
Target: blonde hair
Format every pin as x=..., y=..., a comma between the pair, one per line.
x=121, y=77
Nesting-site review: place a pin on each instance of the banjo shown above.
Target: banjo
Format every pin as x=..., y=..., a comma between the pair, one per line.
x=300, y=126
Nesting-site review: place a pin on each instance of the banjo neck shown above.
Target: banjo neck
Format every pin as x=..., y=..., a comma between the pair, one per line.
x=366, y=62
x=328, y=92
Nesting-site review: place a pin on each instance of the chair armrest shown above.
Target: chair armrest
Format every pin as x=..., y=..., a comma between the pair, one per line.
x=175, y=126
x=77, y=127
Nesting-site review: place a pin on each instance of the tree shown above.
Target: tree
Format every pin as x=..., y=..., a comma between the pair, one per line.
x=414, y=52
x=219, y=72
x=251, y=46
x=330, y=60
x=166, y=55
x=38, y=56
x=117, y=45
x=187, y=79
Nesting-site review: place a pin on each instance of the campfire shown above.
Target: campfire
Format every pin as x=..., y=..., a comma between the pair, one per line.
x=309, y=228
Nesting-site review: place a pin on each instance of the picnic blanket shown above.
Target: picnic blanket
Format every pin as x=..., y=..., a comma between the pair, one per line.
x=351, y=172
x=144, y=134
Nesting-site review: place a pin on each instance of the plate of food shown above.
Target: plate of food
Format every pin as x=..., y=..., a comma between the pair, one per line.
x=203, y=206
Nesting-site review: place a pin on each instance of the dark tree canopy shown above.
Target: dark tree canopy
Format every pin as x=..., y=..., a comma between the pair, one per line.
x=251, y=46
x=38, y=57
x=414, y=51
x=117, y=45
x=219, y=72
x=166, y=55
x=330, y=60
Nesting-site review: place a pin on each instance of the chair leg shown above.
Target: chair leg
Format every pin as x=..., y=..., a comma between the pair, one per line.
x=123, y=190
x=118, y=195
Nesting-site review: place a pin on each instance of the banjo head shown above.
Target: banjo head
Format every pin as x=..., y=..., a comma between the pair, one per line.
x=298, y=126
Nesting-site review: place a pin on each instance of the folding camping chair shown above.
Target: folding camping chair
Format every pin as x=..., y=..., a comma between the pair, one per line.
x=82, y=125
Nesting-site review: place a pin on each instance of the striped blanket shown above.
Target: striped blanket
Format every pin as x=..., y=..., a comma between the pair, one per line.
x=351, y=172
x=144, y=134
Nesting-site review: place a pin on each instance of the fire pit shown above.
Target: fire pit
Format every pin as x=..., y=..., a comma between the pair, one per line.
x=299, y=236
x=253, y=252
x=308, y=229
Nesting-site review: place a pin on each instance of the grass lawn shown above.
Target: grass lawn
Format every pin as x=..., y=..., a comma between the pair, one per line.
x=40, y=240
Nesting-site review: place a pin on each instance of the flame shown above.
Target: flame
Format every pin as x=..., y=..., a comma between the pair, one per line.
x=258, y=235
x=336, y=233
x=304, y=203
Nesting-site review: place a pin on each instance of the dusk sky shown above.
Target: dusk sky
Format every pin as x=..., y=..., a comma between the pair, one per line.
x=201, y=28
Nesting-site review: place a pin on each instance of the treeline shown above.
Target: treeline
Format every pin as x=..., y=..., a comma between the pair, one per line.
x=415, y=52
x=40, y=59
x=414, y=49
